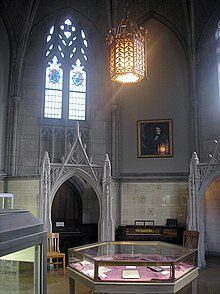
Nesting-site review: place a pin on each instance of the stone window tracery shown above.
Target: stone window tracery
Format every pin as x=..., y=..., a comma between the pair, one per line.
x=66, y=60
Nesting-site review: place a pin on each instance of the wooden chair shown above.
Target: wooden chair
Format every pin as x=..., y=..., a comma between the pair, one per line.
x=53, y=251
x=190, y=239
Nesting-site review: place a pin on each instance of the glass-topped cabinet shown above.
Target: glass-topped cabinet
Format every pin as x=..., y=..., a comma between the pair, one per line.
x=133, y=267
x=132, y=261
x=22, y=253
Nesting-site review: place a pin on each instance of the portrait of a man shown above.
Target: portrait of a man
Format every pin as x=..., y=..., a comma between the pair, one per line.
x=155, y=138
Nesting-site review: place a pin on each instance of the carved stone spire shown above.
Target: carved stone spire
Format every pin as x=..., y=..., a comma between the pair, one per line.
x=107, y=224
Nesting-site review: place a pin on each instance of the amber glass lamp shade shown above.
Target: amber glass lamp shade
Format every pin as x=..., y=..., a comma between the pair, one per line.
x=127, y=62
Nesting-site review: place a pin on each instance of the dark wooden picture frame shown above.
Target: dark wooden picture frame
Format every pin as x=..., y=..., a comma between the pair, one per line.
x=155, y=138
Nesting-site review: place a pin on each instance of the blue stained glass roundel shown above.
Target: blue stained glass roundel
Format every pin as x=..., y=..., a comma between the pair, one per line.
x=77, y=78
x=54, y=76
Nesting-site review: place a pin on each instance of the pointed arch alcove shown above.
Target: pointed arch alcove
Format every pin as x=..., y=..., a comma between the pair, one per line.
x=212, y=219
x=202, y=177
x=66, y=208
x=75, y=213
x=77, y=174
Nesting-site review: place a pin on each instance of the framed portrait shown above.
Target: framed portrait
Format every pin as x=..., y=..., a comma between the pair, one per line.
x=155, y=138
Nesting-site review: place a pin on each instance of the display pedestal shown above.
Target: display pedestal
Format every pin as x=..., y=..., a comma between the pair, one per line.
x=133, y=287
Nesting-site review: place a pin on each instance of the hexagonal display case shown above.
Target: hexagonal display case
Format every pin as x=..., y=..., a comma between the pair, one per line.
x=107, y=265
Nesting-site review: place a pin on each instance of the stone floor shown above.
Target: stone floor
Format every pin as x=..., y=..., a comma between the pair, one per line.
x=208, y=281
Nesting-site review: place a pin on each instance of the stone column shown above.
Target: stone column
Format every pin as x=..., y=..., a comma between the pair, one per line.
x=189, y=13
x=13, y=133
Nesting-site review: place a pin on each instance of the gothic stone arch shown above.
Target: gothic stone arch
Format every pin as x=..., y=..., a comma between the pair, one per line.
x=77, y=164
x=201, y=176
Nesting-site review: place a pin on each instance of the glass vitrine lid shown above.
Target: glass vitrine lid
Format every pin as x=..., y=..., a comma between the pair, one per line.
x=140, y=251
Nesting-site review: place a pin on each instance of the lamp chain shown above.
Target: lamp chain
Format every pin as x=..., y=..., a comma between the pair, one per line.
x=126, y=8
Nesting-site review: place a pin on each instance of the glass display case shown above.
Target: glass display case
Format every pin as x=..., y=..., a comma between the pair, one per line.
x=20, y=271
x=23, y=250
x=131, y=263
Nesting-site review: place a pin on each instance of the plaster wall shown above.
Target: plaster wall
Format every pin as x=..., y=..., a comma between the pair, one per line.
x=164, y=95
x=208, y=91
x=154, y=201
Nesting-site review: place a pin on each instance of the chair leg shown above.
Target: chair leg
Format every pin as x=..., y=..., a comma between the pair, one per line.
x=64, y=265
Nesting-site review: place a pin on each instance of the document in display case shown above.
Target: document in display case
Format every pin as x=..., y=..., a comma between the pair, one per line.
x=130, y=274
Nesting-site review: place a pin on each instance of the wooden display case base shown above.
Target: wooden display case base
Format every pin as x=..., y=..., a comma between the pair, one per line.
x=133, y=287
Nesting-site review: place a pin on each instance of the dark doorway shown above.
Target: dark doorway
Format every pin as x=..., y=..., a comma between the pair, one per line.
x=67, y=209
x=67, y=216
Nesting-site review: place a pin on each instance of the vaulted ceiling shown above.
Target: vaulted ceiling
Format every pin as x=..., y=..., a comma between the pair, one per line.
x=21, y=14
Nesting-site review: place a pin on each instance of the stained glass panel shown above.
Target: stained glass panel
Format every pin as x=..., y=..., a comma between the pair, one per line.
x=63, y=41
x=77, y=78
x=77, y=105
x=53, y=90
x=77, y=94
x=53, y=104
x=54, y=76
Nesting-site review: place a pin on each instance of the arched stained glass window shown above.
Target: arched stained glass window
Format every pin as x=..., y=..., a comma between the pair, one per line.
x=77, y=92
x=66, y=63
x=53, y=90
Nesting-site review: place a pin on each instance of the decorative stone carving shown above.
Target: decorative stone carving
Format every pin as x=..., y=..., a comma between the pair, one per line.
x=44, y=197
x=57, y=139
x=76, y=162
x=201, y=176
x=194, y=183
x=107, y=225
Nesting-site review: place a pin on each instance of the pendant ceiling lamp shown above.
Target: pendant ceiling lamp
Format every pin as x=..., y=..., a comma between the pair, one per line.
x=127, y=52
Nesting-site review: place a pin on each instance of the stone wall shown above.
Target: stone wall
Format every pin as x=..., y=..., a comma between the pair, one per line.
x=153, y=201
x=26, y=191
x=115, y=189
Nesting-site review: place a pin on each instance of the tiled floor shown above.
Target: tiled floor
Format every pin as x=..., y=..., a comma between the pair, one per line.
x=58, y=283
x=208, y=281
